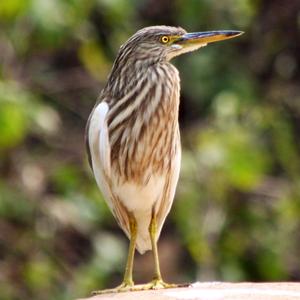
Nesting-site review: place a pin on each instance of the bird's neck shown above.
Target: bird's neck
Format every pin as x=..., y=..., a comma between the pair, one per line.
x=122, y=80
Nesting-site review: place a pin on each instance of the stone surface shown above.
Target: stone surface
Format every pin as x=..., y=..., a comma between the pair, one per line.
x=214, y=291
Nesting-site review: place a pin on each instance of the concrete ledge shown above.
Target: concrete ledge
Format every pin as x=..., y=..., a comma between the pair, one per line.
x=215, y=291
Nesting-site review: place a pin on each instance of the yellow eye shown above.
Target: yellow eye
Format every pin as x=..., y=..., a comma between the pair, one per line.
x=164, y=39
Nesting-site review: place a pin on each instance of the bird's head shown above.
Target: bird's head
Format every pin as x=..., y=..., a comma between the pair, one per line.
x=162, y=43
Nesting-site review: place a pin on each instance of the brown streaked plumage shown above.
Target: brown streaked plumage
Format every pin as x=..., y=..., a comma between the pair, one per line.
x=133, y=139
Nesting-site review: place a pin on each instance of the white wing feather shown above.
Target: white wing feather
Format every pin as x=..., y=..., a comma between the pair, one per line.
x=100, y=154
x=100, y=148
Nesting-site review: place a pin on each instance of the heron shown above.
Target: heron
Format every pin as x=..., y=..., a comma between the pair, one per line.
x=133, y=138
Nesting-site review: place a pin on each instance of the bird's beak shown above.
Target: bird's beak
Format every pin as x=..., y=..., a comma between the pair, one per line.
x=205, y=37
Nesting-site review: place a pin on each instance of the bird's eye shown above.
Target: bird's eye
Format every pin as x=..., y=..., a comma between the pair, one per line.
x=164, y=39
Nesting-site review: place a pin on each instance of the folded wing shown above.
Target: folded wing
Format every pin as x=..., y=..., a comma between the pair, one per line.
x=100, y=153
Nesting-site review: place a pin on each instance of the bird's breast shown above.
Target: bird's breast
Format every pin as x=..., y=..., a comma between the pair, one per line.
x=143, y=135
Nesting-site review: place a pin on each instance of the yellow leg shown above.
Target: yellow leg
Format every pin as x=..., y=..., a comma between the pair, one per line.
x=152, y=232
x=157, y=282
x=127, y=281
x=127, y=284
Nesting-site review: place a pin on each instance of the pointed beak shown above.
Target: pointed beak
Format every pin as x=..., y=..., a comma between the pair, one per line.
x=205, y=37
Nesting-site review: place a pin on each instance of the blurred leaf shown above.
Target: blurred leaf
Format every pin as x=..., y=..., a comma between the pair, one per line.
x=66, y=178
x=14, y=205
x=39, y=274
x=13, y=8
x=94, y=60
x=13, y=124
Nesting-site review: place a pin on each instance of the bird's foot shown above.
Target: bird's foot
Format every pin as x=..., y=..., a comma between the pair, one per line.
x=125, y=286
x=157, y=284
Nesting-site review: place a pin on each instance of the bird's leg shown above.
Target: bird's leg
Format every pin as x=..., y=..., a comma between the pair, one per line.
x=127, y=284
x=127, y=281
x=152, y=232
x=157, y=282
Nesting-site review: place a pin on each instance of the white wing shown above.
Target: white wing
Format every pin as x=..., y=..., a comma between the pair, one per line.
x=100, y=158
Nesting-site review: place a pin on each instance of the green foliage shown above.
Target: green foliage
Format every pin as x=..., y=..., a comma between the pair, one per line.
x=13, y=106
x=237, y=208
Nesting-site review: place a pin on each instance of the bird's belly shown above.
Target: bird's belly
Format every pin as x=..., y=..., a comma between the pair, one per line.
x=140, y=197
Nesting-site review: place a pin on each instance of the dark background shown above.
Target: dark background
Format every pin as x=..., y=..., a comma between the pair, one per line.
x=236, y=215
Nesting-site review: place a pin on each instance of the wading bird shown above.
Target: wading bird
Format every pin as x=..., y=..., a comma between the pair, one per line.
x=133, y=139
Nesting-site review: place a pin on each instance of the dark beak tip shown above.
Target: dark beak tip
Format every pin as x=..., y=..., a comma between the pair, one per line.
x=234, y=33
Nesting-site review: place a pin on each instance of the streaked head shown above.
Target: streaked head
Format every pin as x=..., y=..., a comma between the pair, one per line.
x=162, y=43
